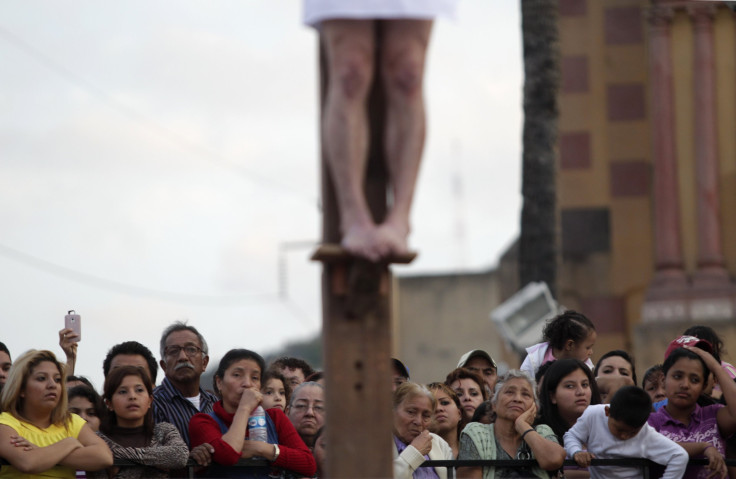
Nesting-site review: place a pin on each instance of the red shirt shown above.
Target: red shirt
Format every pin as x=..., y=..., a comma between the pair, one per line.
x=294, y=454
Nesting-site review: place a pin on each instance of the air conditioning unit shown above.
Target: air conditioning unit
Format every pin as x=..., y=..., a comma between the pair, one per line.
x=522, y=317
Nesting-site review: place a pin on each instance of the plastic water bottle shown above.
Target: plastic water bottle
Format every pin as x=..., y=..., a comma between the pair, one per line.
x=257, y=425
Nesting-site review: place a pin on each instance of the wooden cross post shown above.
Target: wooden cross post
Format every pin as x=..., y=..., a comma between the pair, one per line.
x=356, y=324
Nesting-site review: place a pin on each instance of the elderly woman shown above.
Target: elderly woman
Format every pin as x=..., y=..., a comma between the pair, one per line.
x=414, y=406
x=38, y=435
x=238, y=383
x=512, y=435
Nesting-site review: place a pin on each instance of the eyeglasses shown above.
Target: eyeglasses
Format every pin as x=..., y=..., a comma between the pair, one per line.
x=303, y=408
x=173, y=351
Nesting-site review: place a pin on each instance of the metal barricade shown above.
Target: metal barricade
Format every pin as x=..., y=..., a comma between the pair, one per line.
x=645, y=464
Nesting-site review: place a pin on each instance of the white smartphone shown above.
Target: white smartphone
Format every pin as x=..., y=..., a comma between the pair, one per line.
x=74, y=322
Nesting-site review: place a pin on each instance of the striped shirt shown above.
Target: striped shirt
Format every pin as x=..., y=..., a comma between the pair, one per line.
x=169, y=405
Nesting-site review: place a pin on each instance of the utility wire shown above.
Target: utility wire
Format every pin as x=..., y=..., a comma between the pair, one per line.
x=171, y=136
x=118, y=287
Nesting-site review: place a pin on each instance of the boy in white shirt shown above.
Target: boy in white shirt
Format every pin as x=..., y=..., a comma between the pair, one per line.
x=621, y=431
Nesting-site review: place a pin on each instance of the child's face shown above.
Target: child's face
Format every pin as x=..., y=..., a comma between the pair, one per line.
x=583, y=350
x=654, y=386
x=684, y=383
x=621, y=430
x=274, y=394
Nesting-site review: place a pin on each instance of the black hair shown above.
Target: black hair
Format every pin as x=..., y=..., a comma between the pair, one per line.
x=293, y=363
x=233, y=356
x=707, y=333
x=90, y=395
x=556, y=372
x=656, y=369
x=568, y=325
x=542, y=371
x=631, y=405
x=4, y=349
x=81, y=379
x=484, y=413
x=399, y=368
x=681, y=353
x=621, y=353
x=83, y=391
x=131, y=347
x=273, y=374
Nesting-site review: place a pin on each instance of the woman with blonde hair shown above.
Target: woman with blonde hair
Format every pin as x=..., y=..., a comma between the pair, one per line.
x=413, y=444
x=38, y=435
x=448, y=421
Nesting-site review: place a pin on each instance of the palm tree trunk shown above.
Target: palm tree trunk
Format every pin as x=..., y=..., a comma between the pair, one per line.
x=537, y=245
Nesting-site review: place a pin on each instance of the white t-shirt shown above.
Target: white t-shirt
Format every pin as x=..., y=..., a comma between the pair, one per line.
x=592, y=429
x=316, y=11
x=194, y=401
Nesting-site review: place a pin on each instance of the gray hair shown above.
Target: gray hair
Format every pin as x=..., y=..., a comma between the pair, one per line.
x=411, y=390
x=181, y=326
x=301, y=386
x=514, y=374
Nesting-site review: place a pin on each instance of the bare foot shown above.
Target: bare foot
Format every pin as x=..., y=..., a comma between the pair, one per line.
x=363, y=241
x=394, y=237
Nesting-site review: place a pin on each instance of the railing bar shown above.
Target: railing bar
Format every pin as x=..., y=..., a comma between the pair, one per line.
x=631, y=462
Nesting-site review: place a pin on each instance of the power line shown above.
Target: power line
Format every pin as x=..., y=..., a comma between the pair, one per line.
x=169, y=135
x=132, y=290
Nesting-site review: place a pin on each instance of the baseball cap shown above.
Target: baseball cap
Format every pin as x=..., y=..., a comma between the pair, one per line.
x=475, y=353
x=399, y=367
x=683, y=341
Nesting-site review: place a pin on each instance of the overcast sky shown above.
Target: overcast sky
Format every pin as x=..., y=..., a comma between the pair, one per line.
x=159, y=161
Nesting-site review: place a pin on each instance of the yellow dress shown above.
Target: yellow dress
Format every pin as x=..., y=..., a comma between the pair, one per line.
x=42, y=438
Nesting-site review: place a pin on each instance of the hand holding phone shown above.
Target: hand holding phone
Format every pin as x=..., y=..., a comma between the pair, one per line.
x=73, y=322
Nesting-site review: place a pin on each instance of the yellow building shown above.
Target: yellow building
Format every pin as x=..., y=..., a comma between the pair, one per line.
x=646, y=189
x=647, y=169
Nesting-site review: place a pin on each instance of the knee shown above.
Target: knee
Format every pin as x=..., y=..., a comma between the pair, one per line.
x=351, y=77
x=403, y=76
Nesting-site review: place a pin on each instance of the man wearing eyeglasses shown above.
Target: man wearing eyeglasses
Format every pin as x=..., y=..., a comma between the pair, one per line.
x=179, y=397
x=306, y=410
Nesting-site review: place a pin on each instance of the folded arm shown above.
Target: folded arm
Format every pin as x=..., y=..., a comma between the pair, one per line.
x=167, y=451
x=93, y=455
x=36, y=459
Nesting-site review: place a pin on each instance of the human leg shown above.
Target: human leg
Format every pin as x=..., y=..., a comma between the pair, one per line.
x=350, y=48
x=404, y=46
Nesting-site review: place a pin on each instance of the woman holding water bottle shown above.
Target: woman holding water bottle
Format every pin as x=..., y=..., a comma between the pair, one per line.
x=238, y=417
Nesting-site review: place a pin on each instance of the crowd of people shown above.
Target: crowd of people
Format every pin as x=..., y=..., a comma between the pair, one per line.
x=55, y=424
x=558, y=405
